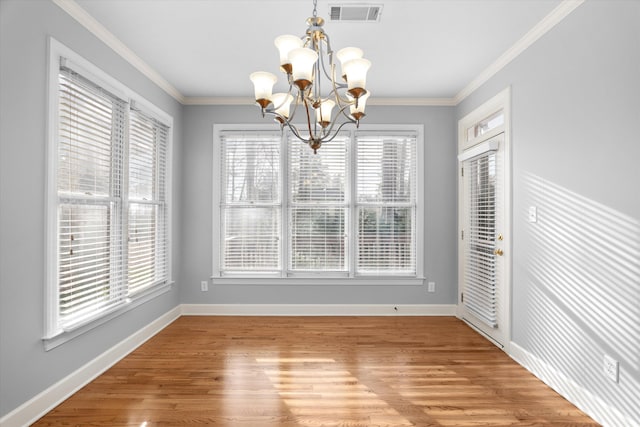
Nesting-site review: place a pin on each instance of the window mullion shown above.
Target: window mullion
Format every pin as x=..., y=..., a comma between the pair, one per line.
x=285, y=198
x=352, y=198
x=119, y=183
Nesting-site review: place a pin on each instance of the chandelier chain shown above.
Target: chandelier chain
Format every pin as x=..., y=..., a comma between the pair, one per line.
x=315, y=7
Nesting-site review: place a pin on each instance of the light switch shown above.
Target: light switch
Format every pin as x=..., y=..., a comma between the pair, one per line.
x=533, y=214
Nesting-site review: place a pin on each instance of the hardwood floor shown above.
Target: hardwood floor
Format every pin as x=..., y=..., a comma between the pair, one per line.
x=317, y=371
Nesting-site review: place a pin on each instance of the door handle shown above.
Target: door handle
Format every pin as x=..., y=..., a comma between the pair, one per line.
x=498, y=252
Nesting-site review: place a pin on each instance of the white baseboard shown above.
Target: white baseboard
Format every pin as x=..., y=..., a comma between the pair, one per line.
x=318, y=310
x=38, y=406
x=586, y=401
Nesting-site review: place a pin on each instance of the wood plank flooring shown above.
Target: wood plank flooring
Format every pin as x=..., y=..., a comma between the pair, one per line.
x=317, y=371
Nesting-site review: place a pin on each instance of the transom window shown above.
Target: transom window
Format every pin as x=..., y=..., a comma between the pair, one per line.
x=351, y=210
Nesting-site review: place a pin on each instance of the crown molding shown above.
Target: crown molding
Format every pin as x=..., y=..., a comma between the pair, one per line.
x=405, y=102
x=540, y=29
x=218, y=100
x=107, y=37
x=435, y=102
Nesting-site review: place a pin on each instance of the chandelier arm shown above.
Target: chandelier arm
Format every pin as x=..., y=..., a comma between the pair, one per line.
x=336, y=90
x=333, y=123
x=329, y=54
x=336, y=133
x=295, y=106
x=347, y=116
x=296, y=132
x=306, y=108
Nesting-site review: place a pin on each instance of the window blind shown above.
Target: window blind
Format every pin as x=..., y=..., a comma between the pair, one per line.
x=250, y=202
x=480, y=267
x=351, y=209
x=386, y=198
x=89, y=185
x=108, y=222
x=318, y=206
x=147, y=261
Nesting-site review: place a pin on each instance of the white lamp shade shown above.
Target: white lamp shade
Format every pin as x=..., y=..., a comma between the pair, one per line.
x=263, y=84
x=282, y=103
x=323, y=112
x=347, y=54
x=361, y=104
x=302, y=60
x=285, y=44
x=356, y=71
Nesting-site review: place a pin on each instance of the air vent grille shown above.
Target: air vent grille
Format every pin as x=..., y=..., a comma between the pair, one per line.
x=359, y=13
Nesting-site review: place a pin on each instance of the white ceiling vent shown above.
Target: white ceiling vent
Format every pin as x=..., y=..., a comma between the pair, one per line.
x=359, y=13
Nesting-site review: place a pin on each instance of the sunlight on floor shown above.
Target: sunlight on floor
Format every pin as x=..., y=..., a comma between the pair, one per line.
x=317, y=391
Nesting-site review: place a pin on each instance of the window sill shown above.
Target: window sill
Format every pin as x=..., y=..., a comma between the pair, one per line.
x=77, y=330
x=320, y=281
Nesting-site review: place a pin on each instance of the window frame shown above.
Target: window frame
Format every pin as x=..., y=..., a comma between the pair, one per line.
x=321, y=278
x=54, y=334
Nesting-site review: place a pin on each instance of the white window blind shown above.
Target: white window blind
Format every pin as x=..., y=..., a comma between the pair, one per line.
x=386, y=198
x=350, y=210
x=147, y=261
x=90, y=161
x=480, y=269
x=250, y=202
x=108, y=209
x=318, y=206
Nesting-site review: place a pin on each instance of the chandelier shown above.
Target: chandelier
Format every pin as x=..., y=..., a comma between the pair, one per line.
x=306, y=61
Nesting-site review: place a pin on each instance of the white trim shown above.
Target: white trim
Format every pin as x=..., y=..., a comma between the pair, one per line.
x=318, y=310
x=491, y=145
x=51, y=296
x=33, y=409
x=220, y=100
x=319, y=278
x=586, y=401
x=540, y=29
x=501, y=101
x=53, y=335
x=107, y=37
x=71, y=333
x=407, y=102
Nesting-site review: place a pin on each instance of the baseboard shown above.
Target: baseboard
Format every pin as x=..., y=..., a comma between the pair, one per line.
x=318, y=310
x=32, y=410
x=586, y=401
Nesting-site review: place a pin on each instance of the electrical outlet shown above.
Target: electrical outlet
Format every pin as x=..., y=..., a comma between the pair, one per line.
x=431, y=287
x=611, y=368
x=204, y=286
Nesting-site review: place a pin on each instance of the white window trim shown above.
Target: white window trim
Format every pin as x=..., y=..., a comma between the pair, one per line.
x=53, y=335
x=320, y=278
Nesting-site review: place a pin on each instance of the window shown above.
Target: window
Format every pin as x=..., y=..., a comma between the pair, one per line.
x=108, y=198
x=352, y=210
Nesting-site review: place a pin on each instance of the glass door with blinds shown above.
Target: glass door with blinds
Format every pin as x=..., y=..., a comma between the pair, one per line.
x=482, y=234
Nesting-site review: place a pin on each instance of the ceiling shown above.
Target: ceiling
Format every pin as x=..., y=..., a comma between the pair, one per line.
x=419, y=49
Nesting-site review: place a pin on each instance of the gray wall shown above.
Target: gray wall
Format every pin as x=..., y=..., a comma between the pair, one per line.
x=440, y=222
x=576, y=273
x=25, y=368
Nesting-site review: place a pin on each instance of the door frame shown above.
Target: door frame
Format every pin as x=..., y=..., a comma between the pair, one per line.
x=501, y=101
